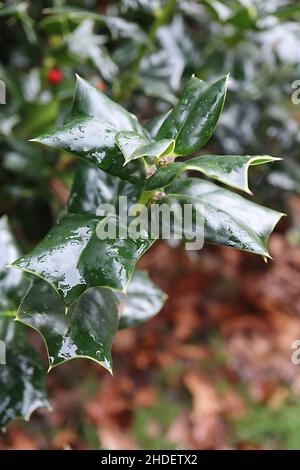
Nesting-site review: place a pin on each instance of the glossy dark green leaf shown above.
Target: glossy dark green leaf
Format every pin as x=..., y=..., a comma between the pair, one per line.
x=22, y=378
x=193, y=120
x=90, y=131
x=135, y=146
x=142, y=302
x=84, y=330
x=55, y=258
x=72, y=258
x=92, y=187
x=229, y=219
x=93, y=140
x=92, y=102
x=231, y=170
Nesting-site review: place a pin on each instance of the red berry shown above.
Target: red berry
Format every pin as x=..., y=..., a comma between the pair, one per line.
x=55, y=76
x=101, y=85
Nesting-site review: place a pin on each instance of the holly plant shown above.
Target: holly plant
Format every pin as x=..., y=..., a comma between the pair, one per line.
x=76, y=289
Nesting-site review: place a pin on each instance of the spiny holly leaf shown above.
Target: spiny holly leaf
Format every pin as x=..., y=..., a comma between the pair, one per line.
x=92, y=187
x=84, y=330
x=229, y=219
x=193, y=120
x=22, y=382
x=92, y=102
x=90, y=130
x=93, y=140
x=228, y=169
x=142, y=302
x=135, y=146
x=72, y=258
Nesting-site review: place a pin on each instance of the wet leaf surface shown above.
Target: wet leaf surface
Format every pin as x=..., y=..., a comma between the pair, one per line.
x=92, y=187
x=85, y=330
x=228, y=218
x=231, y=170
x=193, y=120
x=134, y=146
x=72, y=258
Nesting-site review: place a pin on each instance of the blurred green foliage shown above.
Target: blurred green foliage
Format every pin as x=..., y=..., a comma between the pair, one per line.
x=272, y=428
x=141, y=53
